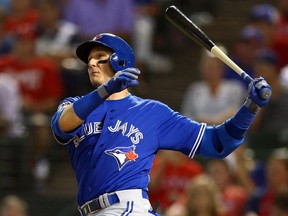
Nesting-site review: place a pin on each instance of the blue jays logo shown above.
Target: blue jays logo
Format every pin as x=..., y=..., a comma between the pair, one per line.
x=123, y=155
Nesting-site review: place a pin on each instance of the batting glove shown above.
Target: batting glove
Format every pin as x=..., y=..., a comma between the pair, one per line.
x=255, y=100
x=121, y=80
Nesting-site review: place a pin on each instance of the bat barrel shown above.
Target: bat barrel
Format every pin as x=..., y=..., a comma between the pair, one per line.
x=181, y=21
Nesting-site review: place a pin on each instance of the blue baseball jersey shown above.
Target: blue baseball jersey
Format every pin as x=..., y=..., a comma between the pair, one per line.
x=115, y=146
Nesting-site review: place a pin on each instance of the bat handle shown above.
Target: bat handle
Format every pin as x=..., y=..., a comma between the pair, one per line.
x=265, y=93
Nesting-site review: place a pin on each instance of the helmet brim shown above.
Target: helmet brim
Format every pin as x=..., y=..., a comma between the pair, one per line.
x=84, y=49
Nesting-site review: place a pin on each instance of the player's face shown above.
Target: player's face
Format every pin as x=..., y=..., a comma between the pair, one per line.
x=100, y=72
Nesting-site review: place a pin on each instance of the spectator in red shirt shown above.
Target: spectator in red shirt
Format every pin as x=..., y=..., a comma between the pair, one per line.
x=233, y=195
x=170, y=175
x=202, y=199
x=40, y=89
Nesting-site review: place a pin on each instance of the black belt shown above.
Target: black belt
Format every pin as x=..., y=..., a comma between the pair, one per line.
x=102, y=202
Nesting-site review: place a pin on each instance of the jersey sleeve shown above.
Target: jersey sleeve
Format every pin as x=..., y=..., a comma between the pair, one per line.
x=179, y=133
x=60, y=136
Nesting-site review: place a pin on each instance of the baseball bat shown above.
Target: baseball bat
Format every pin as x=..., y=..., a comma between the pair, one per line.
x=182, y=22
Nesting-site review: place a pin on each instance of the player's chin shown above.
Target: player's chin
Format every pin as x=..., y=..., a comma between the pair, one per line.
x=96, y=81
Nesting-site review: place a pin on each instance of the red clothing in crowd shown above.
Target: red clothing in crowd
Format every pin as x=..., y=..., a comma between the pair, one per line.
x=234, y=199
x=174, y=180
x=27, y=22
x=39, y=78
x=280, y=41
x=266, y=203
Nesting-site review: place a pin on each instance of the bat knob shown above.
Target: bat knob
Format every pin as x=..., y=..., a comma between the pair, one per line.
x=264, y=89
x=260, y=91
x=265, y=93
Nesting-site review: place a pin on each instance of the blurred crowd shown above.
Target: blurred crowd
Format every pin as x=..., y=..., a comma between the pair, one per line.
x=38, y=68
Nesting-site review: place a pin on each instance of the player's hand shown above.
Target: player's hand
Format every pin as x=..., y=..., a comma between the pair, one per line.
x=122, y=80
x=254, y=89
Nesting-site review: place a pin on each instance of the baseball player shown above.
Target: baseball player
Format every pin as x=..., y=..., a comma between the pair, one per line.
x=113, y=136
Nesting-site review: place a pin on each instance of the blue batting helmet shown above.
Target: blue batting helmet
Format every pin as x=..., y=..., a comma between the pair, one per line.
x=122, y=57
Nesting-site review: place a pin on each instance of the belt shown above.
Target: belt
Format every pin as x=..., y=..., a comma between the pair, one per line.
x=102, y=202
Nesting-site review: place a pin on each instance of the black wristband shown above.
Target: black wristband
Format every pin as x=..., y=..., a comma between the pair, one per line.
x=251, y=105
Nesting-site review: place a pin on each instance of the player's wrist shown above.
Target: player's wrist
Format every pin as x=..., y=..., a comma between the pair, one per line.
x=251, y=106
x=102, y=92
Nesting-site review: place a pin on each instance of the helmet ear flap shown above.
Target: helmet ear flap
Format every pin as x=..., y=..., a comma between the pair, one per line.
x=117, y=64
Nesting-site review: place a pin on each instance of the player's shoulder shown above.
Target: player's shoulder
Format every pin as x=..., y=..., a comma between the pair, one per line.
x=150, y=103
x=154, y=108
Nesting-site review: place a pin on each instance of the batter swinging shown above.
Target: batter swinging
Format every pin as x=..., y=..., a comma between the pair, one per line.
x=113, y=136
